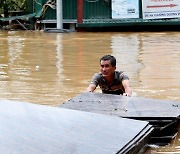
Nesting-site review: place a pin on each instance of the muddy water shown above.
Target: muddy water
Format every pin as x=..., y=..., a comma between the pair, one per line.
x=49, y=69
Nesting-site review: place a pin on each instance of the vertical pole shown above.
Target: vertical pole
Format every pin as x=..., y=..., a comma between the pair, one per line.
x=59, y=14
x=79, y=12
x=140, y=9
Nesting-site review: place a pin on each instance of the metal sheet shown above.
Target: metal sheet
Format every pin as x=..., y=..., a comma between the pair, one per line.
x=31, y=128
x=124, y=106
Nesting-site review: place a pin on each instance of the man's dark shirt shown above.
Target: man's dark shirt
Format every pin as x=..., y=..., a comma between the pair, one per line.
x=115, y=87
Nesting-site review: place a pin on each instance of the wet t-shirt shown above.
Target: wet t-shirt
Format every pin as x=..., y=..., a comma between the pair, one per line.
x=115, y=87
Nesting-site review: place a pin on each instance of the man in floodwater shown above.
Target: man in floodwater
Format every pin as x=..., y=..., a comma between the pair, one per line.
x=109, y=80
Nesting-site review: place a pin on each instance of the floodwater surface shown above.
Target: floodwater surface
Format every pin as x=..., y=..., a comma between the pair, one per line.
x=50, y=68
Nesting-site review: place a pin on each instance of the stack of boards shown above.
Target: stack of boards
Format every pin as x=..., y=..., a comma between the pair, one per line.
x=162, y=115
x=90, y=123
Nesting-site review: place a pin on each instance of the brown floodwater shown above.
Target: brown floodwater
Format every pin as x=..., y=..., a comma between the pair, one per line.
x=50, y=68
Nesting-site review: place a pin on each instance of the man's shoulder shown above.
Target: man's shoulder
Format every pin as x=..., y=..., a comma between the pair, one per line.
x=96, y=79
x=121, y=75
x=98, y=75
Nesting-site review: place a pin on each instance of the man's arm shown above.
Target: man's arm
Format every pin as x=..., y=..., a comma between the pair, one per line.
x=91, y=88
x=94, y=83
x=127, y=88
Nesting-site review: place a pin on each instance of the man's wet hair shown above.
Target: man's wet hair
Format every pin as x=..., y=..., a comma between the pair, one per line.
x=109, y=57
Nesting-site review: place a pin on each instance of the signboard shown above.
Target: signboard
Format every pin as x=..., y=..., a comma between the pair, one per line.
x=125, y=9
x=158, y=9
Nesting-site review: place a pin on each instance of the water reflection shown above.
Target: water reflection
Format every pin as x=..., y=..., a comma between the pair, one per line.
x=59, y=64
x=160, y=57
x=125, y=47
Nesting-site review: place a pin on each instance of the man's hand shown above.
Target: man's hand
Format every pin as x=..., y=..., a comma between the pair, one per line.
x=91, y=88
x=127, y=88
x=126, y=94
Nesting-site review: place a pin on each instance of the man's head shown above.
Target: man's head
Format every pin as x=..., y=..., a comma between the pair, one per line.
x=108, y=65
x=112, y=59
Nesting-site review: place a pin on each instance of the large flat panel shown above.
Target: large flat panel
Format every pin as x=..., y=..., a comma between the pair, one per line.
x=31, y=128
x=124, y=106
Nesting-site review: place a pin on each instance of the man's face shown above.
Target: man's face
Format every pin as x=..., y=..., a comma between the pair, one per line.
x=106, y=68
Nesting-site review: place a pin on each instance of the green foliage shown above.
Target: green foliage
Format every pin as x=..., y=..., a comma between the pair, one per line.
x=12, y=5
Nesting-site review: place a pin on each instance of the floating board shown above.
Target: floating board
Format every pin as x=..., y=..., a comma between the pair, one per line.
x=32, y=128
x=123, y=106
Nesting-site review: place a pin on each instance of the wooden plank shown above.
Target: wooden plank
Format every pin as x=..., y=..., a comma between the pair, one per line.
x=31, y=128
